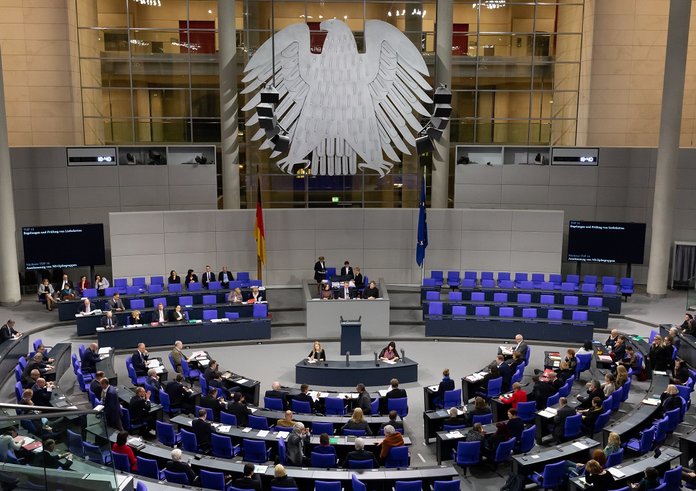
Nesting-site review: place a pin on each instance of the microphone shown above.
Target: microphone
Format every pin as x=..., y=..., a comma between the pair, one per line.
x=403, y=355
x=347, y=358
x=376, y=359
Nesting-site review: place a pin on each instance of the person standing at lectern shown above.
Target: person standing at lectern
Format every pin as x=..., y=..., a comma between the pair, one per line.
x=320, y=270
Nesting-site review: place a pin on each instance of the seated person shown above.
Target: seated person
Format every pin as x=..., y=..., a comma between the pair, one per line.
x=680, y=373
x=346, y=271
x=518, y=395
x=42, y=392
x=48, y=294
x=317, y=352
x=180, y=396
x=358, y=280
x=305, y=397
x=597, y=477
x=324, y=445
x=191, y=277
x=82, y=285
x=609, y=385
x=688, y=326
x=67, y=293
x=345, y=292
x=235, y=296
x=239, y=408
x=173, y=278
x=121, y=447
x=357, y=422
x=326, y=293
x=619, y=350
x=202, y=429
x=360, y=454
x=454, y=418
x=593, y=389
x=159, y=315
x=249, y=480
x=571, y=359
x=177, y=315
x=177, y=465
x=257, y=295
x=224, y=277
x=48, y=460
x=587, y=347
x=109, y=321
x=139, y=409
x=670, y=399
x=589, y=417
x=281, y=478
x=476, y=434
x=135, y=318
x=212, y=401
x=630, y=360
x=286, y=421
x=480, y=409
x=371, y=292
x=501, y=435
x=515, y=424
x=392, y=439
x=116, y=303
x=651, y=480
x=564, y=412
x=393, y=421
x=389, y=352
x=564, y=372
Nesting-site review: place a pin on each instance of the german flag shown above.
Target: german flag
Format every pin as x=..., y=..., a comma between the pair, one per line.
x=259, y=233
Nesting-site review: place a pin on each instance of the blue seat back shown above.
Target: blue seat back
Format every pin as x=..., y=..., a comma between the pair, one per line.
x=188, y=441
x=157, y=288
x=324, y=460
x=214, y=285
x=228, y=419
x=209, y=314
x=579, y=315
x=554, y=475
x=357, y=484
x=319, y=427
x=601, y=421
x=174, y=287
x=617, y=397
x=595, y=302
x=360, y=464
x=524, y=298
x=221, y=446
x=254, y=451
x=494, y=387
x=572, y=426
x=397, y=457
x=212, y=480
x=121, y=462
x=435, y=308
x=148, y=468
x=500, y=297
x=136, y=303
x=349, y=432
x=408, y=485
x=194, y=286
x=478, y=297
x=260, y=310
x=547, y=299
x=452, y=398
x=526, y=411
x=529, y=313
x=176, y=477
x=209, y=299
x=615, y=458
x=552, y=400
x=165, y=433
x=335, y=406
x=400, y=405
x=273, y=403
x=527, y=441
x=555, y=314
x=258, y=422
x=459, y=310
x=432, y=295
x=506, y=312
x=484, y=419
x=482, y=311
x=301, y=406
x=504, y=451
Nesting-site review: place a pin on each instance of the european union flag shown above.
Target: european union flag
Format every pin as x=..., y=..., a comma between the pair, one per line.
x=422, y=228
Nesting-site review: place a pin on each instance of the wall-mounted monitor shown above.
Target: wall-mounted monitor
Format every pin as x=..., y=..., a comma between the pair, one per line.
x=83, y=156
x=606, y=242
x=63, y=246
x=575, y=156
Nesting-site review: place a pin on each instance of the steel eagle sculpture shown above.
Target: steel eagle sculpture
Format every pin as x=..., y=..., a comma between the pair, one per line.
x=341, y=109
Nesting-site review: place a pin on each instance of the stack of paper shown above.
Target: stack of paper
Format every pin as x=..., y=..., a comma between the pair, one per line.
x=283, y=434
x=580, y=445
x=262, y=433
x=651, y=402
x=455, y=434
x=433, y=388
x=104, y=351
x=224, y=428
x=153, y=363
x=616, y=472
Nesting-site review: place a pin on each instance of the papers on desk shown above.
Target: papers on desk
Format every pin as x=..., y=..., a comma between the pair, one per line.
x=262, y=433
x=99, y=407
x=475, y=377
x=583, y=480
x=241, y=381
x=605, y=358
x=659, y=372
x=433, y=388
x=224, y=428
x=652, y=401
x=580, y=445
x=389, y=362
x=129, y=326
x=311, y=360
x=135, y=442
x=382, y=392
x=85, y=314
x=555, y=356
x=314, y=395
x=104, y=351
x=616, y=472
x=224, y=319
x=343, y=395
x=198, y=354
x=253, y=409
x=547, y=413
x=246, y=430
x=260, y=469
x=454, y=434
x=153, y=363
x=283, y=434
x=506, y=350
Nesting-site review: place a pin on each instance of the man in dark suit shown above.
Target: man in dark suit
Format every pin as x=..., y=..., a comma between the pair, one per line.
x=363, y=401
x=211, y=401
x=590, y=417
x=277, y=392
x=514, y=425
x=153, y=379
x=345, y=292
x=7, y=331
x=320, y=270
x=90, y=358
x=95, y=385
x=521, y=347
x=116, y=303
x=394, y=392
x=180, y=396
x=30, y=378
x=360, y=454
x=176, y=465
x=109, y=321
x=238, y=408
x=619, y=351
x=249, y=480
x=208, y=276
x=217, y=383
x=41, y=395
x=505, y=371
x=445, y=384
x=139, y=360
x=224, y=277
x=209, y=373
x=112, y=407
x=564, y=412
x=139, y=408
x=347, y=271
x=47, y=460
x=202, y=429
x=594, y=389
x=304, y=396
x=398, y=425
x=541, y=392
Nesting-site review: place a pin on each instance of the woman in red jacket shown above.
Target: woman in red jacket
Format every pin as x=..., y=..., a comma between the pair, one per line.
x=518, y=395
x=121, y=446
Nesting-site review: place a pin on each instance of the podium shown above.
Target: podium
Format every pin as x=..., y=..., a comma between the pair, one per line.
x=351, y=339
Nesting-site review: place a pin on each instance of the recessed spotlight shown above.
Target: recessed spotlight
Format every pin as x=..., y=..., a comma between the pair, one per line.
x=210, y=11
x=345, y=17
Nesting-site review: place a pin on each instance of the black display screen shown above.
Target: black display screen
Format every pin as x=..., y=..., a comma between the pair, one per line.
x=606, y=242
x=63, y=246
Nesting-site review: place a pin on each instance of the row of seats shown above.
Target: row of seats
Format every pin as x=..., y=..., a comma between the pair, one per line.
x=504, y=297
x=140, y=281
x=173, y=288
x=435, y=310
x=537, y=281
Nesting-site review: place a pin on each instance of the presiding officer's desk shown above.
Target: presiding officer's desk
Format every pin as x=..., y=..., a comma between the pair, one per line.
x=377, y=479
x=598, y=315
x=89, y=323
x=610, y=300
x=538, y=328
x=186, y=332
x=69, y=308
x=335, y=373
x=632, y=470
x=324, y=316
x=10, y=353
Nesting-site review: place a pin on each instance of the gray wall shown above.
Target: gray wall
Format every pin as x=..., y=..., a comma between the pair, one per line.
x=48, y=192
x=380, y=241
x=621, y=188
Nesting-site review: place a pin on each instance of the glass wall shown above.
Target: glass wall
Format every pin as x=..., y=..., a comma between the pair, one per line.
x=150, y=74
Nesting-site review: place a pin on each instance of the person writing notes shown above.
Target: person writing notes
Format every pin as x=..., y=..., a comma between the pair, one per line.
x=317, y=353
x=389, y=352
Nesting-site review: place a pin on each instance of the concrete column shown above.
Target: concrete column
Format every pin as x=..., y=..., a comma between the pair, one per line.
x=228, y=103
x=668, y=146
x=443, y=75
x=9, y=271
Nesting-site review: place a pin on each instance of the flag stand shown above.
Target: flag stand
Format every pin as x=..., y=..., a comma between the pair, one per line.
x=425, y=182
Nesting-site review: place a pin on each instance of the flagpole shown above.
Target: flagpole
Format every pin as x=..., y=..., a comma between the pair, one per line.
x=423, y=263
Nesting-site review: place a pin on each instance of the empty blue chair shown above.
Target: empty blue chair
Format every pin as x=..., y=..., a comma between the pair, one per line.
x=397, y=457
x=484, y=419
x=244, y=277
x=547, y=299
x=520, y=277
x=529, y=313
x=209, y=314
x=573, y=278
x=568, y=287
x=453, y=279
x=470, y=275
x=584, y=360
x=468, y=284
x=572, y=427
x=188, y=441
x=467, y=454
x=524, y=298
x=212, y=480
x=500, y=297
x=612, y=290
x=552, y=400
x=555, y=315
x=493, y=389
x=570, y=300
x=75, y=444
x=503, y=276
x=408, y=485
x=453, y=296
x=507, y=284
x=504, y=451
x=478, y=297
x=273, y=403
x=429, y=282
x=608, y=403
x=547, y=286
x=360, y=464
x=400, y=405
x=149, y=468
x=526, y=411
x=452, y=398
x=487, y=275
x=174, y=287
x=194, y=286
x=626, y=389
x=660, y=426
x=617, y=397
x=157, y=288
x=643, y=444
x=255, y=451
x=601, y=422
x=437, y=276
x=258, y=422
x=335, y=406
x=156, y=280
x=95, y=454
x=134, y=290
x=260, y=283
x=580, y=315
x=260, y=311
x=186, y=300
x=487, y=283
x=432, y=296
x=674, y=417
x=589, y=279
x=594, y=302
x=608, y=280
x=482, y=311
x=435, y=309
x=323, y=460
x=357, y=484
x=136, y=303
x=672, y=479
x=614, y=458
x=348, y=432
x=89, y=292
x=519, y=373
x=221, y=446
x=556, y=279
x=301, y=406
x=452, y=427
x=319, y=427
x=526, y=285
x=18, y=391
x=527, y=441
x=232, y=315
x=553, y=477
x=121, y=462
x=135, y=379
x=166, y=404
x=166, y=434
x=538, y=279
x=587, y=288
x=214, y=285
x=626, y=286
x=176, y=477
x=506, y=312
x=459, y=310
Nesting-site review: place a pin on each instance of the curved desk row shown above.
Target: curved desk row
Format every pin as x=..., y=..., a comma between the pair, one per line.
x=88, y=324
x=375, y=422
x=610, y=300
x=10, y=353
x=687, y=347
x=68, y=309
x=339, y=374
x=598, y=315
x=202, y=332
x=540, y=329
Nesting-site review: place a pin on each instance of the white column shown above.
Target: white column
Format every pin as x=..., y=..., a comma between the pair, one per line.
x=9, y=271
x=443, y=75
x=668, y=147
x=227, y=34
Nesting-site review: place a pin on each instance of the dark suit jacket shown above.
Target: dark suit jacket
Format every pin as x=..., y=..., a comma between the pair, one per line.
x=506, y=372
x=139, y=362
x=225, y=277
x=248, y=483
x=155, y=315
x=212, y=403
x=347, y=272
x=319, y=271
x=6, y=332
x=203, y=430
x=522, y=349
x=112, y=407
x=541, y=392
x=183, y=467
x=209, y=374
x=590, y=417
x=445, y=385
x=587, y=399
x=89, y=361
x=207, y=278
x=360, y=455
x=342, y=292
x=174, y=317
x=50, y=461
x=283, y=482
x=515, y=426
x=559, y=421
x=95, y=388
x=116, y=304
x=154, y=383
x=41, y=397
x=139, y=408
x=306, y=398
x=364, y=402
x=176, y=392
x=105, y=321
x=240, y=411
